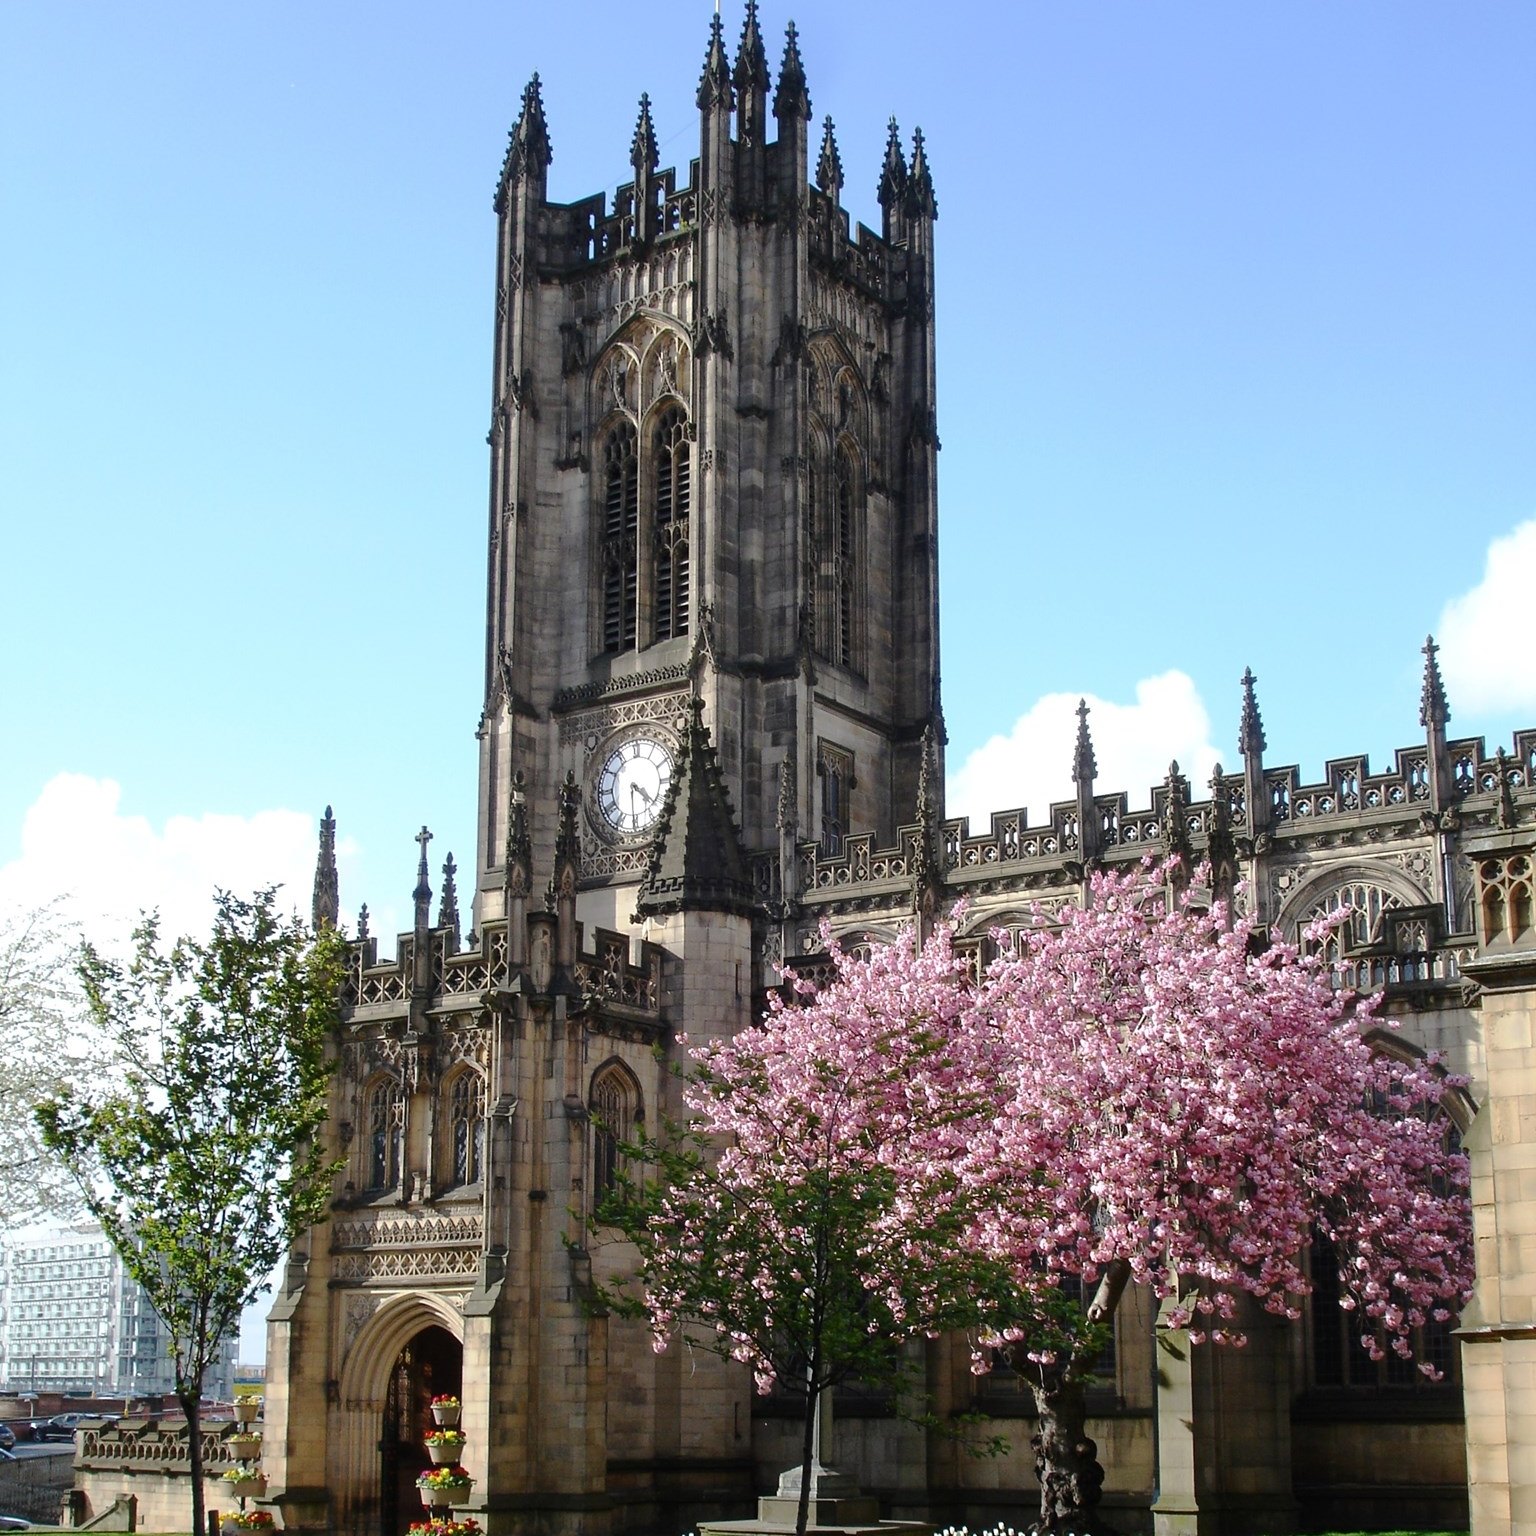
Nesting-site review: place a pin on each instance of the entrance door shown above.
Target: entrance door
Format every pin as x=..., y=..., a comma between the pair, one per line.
x=430, y=1365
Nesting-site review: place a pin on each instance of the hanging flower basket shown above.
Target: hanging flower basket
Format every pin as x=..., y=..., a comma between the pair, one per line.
x=245, y=1485
x=445, y=1485
x=444, y=1446
x=446, y=1410
x=247, y=1409
x=243, y=1446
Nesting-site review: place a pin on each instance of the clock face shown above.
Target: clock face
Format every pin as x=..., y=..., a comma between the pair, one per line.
x=632, y=784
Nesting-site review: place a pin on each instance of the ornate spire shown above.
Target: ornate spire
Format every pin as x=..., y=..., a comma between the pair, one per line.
x=568, y=838
x=1085, y=766
x=362, y=923
x=696, y=862
x=1221, y=847
x=920, y=198
x=893, y=174
x=325, y=910
x=792, y=95
x=528, y=150
x=1250, y=728
x=519, y=857
x=1433, y=709
x=927, y=866
x=422, y=895
x=784, y=816
x=829, y=164
x=1506, y=802
x=751, y=57
x=642, y=148
x=715, y=82
x=1175, y=818
x=448, y=903
x=928, y=808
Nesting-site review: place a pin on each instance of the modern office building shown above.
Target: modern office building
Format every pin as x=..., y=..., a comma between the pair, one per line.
x=73, y=1320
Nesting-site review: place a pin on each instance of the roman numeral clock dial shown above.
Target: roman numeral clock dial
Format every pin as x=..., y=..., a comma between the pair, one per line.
x=632, y=785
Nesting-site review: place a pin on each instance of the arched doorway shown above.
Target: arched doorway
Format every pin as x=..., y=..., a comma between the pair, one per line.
x=431, y=1363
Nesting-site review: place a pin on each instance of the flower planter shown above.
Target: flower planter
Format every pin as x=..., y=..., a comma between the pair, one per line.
x=247, y=1409
x=446, y=1415
x=247, y=1487
x=436, y=1498
x=457, y=1496
x=445, y=1455
x=243, y=1447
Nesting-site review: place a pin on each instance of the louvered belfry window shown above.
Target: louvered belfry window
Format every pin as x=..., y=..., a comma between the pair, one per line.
x=621, y=539
x=845, y=562
x=673, y=503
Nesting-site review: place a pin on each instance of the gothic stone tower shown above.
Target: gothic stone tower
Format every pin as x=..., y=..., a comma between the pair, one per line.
x=711, y=640
x=712, y=473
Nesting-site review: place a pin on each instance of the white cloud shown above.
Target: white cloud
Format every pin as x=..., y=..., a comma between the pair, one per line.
x=1485, y=651
x=1133, y=744
x=76, y=841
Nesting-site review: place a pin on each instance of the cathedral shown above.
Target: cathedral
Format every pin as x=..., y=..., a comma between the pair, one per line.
x=712, y=723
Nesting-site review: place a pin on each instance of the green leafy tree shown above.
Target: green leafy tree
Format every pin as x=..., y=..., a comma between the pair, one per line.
x=810, y=1219
x=204, y=1159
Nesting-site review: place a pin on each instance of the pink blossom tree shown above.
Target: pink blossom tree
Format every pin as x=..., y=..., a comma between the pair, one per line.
x=814, y=1214
x=1188, y=1106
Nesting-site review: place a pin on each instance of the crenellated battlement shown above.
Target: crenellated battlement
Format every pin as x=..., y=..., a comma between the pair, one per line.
x=591, y=231
x=1051, y=850
x=462, y=979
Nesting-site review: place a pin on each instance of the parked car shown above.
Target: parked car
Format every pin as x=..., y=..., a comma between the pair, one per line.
x=14, y=1523
x=7, y=1438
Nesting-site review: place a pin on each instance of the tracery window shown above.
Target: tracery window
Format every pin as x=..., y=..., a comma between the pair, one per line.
x=466, y=1126
x=673, y=468
x=644, y=492
x=1339, y=1359
x=386, y=1121
x=1367, y=904
x=616, y=1116
x=1506, y=899
x=834, y=768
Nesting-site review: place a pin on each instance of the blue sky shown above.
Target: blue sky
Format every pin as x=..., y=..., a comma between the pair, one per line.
x=1237, y=367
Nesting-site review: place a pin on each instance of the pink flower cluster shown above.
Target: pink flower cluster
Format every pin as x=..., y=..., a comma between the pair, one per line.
x=1180, y=1096
x=1128, y=1083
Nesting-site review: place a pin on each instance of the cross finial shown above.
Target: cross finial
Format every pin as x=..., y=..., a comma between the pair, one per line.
x=423, y=838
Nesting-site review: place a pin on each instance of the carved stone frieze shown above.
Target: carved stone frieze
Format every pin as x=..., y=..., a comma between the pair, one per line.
x=392, y=1265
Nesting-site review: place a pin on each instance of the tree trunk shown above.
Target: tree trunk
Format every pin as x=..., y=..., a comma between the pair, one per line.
x=1066, y=1460
x=191, y=1405
x=808, y=1449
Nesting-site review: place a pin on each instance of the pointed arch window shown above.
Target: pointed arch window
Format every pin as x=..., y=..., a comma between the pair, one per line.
x=621, y=539
x=674, y=499
x=616, y=1117
x=386, y=1122
x=466, y=1127
x=844, y=559
x=837, y=545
